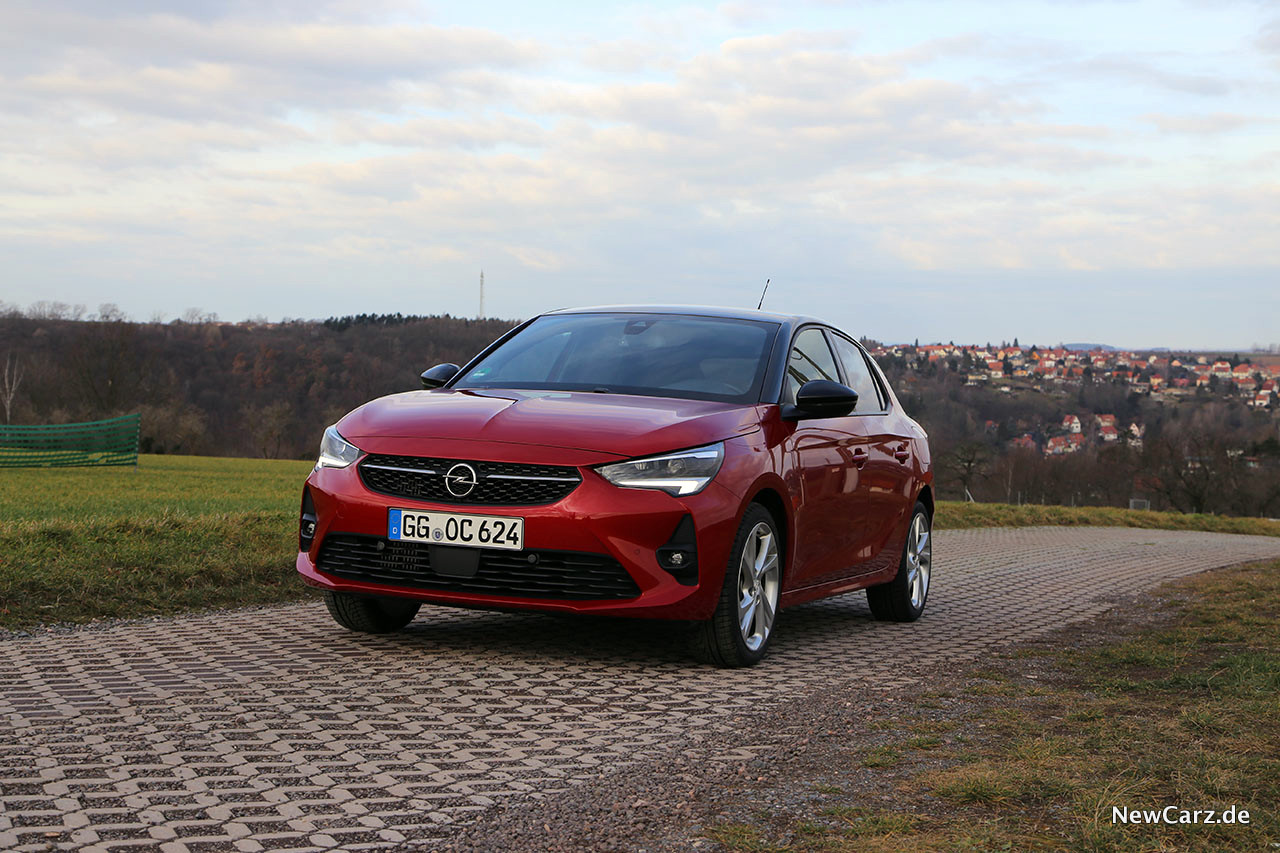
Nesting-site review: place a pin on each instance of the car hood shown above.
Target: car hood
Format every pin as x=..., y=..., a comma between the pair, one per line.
x=618, y=425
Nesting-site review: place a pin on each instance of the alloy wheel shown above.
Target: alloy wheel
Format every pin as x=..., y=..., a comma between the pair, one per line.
x=758, y=585
x=919, y=560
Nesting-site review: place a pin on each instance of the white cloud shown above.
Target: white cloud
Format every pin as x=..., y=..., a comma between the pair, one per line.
x=1209, y=124
x=311, y=142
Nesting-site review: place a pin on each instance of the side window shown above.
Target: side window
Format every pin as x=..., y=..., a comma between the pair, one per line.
x=859, y=376
x=810, y=359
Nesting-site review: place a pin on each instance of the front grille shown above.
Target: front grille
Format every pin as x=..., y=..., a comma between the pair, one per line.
x=497, y=483
x=554, y=574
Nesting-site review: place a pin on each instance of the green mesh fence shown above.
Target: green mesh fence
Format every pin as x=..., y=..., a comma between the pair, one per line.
x=109, y=442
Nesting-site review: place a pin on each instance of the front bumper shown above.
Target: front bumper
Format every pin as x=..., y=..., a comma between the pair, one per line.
x=628, y=525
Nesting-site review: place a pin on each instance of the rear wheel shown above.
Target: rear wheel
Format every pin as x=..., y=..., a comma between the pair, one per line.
x=739, y=631
x=902, y=599
x=370, y=615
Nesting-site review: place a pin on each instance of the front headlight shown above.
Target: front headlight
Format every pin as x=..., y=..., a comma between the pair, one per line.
x=685, y=472
x=336, y=451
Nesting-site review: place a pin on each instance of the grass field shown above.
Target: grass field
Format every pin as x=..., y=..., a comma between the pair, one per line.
x=955, y=515
x=195, y=485
x=176, y=533
x=1033, y=750
x=183, y=532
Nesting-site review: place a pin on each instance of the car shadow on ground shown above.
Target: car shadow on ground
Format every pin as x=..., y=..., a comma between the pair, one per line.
x=535, y=639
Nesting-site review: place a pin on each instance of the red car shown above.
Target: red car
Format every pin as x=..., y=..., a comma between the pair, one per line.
x=697, y=464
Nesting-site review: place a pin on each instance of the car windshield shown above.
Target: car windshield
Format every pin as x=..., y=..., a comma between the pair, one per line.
x=652, y=355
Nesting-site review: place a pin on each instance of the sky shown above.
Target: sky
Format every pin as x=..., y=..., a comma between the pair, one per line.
x=1055, y=171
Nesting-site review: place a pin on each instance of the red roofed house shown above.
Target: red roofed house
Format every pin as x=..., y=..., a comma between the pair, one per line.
x=1071, y=423
x=1110, y=433
x=1024, y=441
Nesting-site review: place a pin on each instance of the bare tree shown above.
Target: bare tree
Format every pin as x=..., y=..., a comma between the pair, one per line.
x=109, y=312
x=269, y=427
x=1189, y=467
x=9, y=382
x=46, y=310
x=967, y=463
x=196, y=316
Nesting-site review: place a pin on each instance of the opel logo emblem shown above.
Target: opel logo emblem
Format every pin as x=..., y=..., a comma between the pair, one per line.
x=460, y=480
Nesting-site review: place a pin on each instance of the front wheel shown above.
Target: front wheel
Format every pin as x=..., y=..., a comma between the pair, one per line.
x=370, y=615
x=738, y=633
x=902, y=599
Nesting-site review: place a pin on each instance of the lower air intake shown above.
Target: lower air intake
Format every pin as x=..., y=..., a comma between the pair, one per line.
x=567, y=575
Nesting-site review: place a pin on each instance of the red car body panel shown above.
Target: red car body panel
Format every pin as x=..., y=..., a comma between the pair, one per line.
x=622, y=425
x=845, y=488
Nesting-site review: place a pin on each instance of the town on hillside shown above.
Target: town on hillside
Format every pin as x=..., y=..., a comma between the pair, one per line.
x=1160, y=376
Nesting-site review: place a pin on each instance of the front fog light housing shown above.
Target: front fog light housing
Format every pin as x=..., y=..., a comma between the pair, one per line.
x=307, y=523
x=336, y=451
x=685, y=472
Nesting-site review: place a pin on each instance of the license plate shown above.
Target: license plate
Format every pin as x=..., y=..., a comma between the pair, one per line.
x=451, y=528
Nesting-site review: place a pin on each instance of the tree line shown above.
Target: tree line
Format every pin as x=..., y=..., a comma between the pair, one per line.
x=268, y=389
x=243, y=389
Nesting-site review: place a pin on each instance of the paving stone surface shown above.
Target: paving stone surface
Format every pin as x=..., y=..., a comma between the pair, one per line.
x=273, y=729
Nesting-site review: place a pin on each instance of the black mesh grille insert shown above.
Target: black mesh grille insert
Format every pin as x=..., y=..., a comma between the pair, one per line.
x=497, y=483
x=555, y=574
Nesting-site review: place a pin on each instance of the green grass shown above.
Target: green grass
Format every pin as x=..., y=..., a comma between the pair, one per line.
x=178, y=533
x=78, y=571
x=956, y=515
x=1109, y=724
x=186, y=532
x=160, y=484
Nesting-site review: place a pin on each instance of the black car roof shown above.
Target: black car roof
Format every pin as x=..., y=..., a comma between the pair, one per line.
x=697, y=311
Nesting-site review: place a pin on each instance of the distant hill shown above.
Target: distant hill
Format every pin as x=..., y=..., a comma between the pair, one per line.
x=265, y=389
x=1090, y=347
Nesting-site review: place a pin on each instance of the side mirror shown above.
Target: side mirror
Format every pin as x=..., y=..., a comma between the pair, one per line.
x=821, y=398
x=438, y=375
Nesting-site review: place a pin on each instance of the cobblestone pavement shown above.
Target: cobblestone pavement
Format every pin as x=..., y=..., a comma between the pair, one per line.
x=274, y=729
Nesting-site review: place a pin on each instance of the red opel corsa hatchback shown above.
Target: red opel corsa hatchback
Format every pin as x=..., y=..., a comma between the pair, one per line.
x=699, y=464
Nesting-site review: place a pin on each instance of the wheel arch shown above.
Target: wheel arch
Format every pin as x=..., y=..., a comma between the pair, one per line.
x=925, y=496
x=769, y=498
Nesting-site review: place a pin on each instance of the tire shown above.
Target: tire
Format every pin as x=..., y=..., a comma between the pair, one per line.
x=752, y=585
x=903, y=598
x=370, y=615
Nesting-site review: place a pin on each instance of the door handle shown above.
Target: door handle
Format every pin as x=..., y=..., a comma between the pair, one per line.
x=860, y=457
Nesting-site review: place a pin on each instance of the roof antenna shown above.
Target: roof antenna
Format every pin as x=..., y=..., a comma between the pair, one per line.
x=763, y=292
